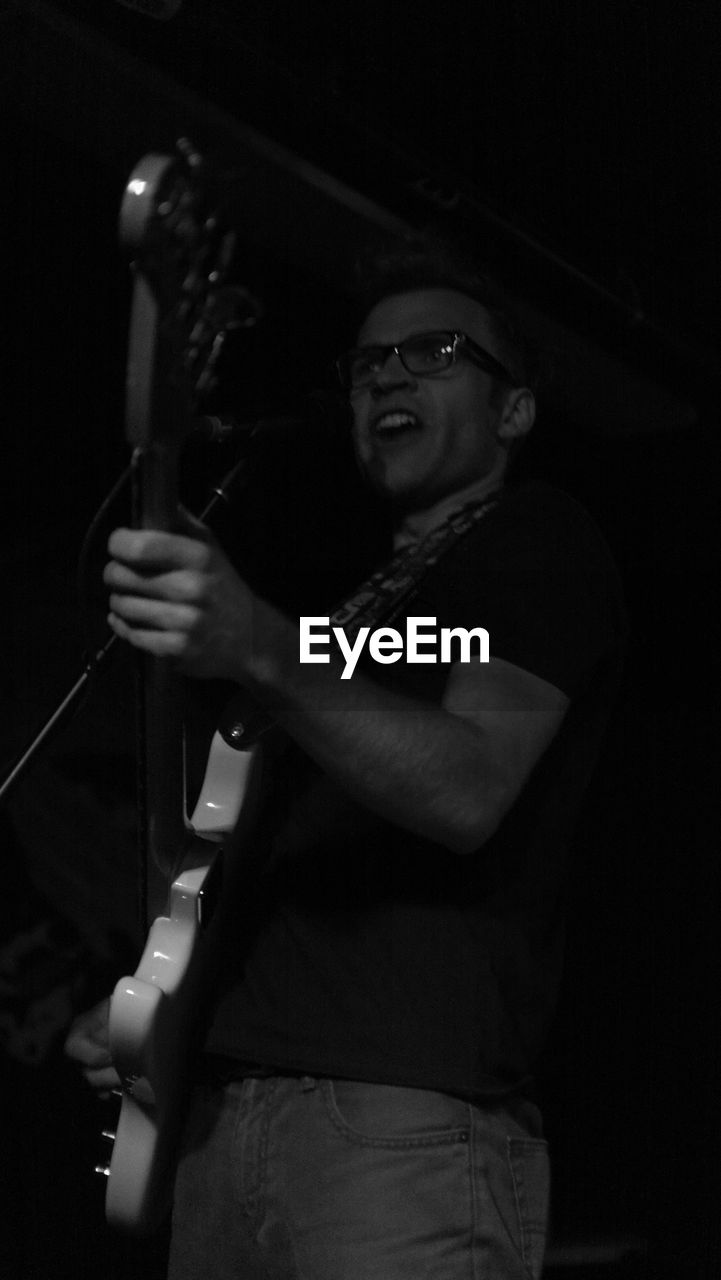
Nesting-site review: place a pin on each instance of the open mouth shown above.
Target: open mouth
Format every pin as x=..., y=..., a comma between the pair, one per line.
x=395, y=424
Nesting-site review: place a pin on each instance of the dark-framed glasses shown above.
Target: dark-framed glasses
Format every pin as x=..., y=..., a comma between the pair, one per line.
x=423, y=355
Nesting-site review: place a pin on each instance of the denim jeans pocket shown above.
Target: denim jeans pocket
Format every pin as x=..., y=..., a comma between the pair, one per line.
x=529, y=1163
x=392, y=1116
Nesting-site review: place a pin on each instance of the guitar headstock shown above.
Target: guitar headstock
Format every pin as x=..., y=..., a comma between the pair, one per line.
x=183, y=306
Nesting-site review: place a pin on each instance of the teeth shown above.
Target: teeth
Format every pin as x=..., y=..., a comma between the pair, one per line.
x=391, y=421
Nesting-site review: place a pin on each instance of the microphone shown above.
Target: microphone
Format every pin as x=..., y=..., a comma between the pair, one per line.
x=227, y=430
x=322, y=409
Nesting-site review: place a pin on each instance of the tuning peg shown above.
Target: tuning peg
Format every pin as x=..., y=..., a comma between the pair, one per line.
x=189, y=153
x=103, y=1170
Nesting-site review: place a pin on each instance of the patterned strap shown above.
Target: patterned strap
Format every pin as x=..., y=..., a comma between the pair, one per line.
x=382, y=595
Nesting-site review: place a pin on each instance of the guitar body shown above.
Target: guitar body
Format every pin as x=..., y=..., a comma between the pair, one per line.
x=180, y=312
x=152, y=1019
x=154, y=1014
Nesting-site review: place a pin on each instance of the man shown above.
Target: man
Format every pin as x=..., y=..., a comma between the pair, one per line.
x=365, y=1105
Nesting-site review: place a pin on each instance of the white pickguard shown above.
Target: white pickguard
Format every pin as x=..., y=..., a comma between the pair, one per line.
x=153, y=1013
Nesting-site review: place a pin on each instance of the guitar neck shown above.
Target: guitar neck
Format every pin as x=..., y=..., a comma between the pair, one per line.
x=160, y=696
x=180, y=253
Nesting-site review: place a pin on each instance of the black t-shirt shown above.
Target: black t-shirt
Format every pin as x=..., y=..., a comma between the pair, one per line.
x=368, y=952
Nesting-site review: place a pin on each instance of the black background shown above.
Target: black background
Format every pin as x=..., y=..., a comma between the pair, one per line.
x=592, y=131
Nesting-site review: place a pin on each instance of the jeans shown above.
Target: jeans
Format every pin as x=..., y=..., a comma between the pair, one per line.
x=305, y=1179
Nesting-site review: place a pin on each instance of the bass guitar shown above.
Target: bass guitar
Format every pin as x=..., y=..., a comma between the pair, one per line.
x=182, y=307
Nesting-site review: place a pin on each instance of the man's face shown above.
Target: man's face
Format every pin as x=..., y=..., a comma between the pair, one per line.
x=448, y=441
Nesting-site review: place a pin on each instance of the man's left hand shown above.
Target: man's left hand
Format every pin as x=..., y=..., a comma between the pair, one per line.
x=176, y=595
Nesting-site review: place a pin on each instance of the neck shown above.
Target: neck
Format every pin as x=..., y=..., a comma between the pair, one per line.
x=412, y=526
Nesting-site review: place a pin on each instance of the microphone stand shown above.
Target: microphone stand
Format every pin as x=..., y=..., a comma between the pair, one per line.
x=72, y=700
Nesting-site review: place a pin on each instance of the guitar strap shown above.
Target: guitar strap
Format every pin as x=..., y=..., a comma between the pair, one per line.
x=381, y=597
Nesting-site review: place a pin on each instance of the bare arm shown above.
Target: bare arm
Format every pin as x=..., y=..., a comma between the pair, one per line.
x=448, y=772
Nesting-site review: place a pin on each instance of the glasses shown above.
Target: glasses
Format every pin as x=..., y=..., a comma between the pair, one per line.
x=423, y=355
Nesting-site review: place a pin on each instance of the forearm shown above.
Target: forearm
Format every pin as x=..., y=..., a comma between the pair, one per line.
x=409, y=761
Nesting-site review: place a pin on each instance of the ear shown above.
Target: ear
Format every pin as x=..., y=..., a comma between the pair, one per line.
x=517, y=415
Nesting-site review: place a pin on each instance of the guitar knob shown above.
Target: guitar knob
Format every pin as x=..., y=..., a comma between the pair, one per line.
x=103, y=1170
x=235, y=734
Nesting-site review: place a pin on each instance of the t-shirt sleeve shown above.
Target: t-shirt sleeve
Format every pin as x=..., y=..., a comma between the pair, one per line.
x=542, y=583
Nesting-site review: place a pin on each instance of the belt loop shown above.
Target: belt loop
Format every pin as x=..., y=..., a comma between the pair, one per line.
x=307, y=1084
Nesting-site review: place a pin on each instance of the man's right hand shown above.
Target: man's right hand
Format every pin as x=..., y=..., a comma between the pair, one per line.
x=87, y=1044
